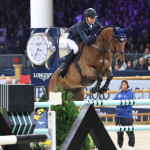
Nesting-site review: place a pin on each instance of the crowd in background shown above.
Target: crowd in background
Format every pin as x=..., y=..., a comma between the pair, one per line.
x=15, y=23
x=14, y=26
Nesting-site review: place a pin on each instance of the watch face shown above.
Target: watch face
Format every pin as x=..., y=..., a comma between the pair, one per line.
x=37, y=49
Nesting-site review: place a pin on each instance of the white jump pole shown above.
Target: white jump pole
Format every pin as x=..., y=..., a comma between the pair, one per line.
x=52, y=128
x=100, y=103
x=54, y=99
x=109, y=129
x=22, y=139
x=8, y=140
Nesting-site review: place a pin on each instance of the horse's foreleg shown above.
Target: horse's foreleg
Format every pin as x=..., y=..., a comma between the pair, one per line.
x=92, y=74
x=53, y=82
x=98, y=83
x=105, y=87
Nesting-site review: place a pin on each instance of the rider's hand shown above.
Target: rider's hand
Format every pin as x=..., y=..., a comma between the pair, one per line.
x=98, y=32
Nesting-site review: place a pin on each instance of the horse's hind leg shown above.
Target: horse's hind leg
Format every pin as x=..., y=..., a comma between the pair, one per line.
x=98, y=83
x=105, y=87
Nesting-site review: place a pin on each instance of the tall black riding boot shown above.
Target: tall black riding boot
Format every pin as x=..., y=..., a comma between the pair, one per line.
x=64, y=67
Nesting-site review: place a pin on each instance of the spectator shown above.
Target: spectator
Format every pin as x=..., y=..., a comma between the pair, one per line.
x=9, y=48
x=139, y=42
x=141, y=48
x=2, y=38
x=10, y=30
x=116, y=67
x=18, y=49
x=141, y=65
x=148, y=45
x=147, y=53
x=124, y=116
x=127, y=46
x=132, y=48
x=130, y=66
x=78, y=16
x=148, y=63
x=145, y=35
x=123, y=66
x=3, y=29
x=14, y=18
x=8, y=81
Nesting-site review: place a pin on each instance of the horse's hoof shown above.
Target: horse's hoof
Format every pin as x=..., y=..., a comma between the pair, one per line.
x=102, y=90
x=92, y=90
x=105, y=89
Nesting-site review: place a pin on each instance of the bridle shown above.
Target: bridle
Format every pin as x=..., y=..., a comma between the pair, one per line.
x=107, y=44
x=114, y=51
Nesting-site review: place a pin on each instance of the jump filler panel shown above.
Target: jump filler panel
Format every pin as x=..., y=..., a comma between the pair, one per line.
x=17, y=98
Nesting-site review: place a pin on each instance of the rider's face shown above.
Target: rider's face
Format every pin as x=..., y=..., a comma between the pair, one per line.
x=90, y=20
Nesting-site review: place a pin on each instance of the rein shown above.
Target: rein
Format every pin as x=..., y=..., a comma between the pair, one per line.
x=108, y=49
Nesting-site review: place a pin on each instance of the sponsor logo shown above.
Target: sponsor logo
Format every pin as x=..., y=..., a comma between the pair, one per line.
x=42, y=76
x=41, y=123
x=119, y=96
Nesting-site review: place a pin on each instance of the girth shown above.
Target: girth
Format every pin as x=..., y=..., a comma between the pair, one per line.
x=84, y=80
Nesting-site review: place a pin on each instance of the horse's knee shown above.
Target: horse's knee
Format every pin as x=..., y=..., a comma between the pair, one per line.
x=110, y=76
x=99, y=77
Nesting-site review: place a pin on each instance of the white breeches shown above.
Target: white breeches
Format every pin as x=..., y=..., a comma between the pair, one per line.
x=71, y=44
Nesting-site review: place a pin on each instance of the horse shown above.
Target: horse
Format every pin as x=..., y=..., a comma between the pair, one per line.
x=93, y=64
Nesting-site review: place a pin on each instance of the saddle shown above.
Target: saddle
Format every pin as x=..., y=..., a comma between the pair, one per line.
x=77, y=56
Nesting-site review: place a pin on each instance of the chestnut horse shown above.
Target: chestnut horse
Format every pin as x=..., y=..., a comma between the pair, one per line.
x=93, y=64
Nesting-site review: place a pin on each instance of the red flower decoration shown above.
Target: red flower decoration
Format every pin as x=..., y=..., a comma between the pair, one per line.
x=25, y=79
x=16, y=60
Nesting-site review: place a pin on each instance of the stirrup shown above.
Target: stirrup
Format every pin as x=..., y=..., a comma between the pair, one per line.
x=60, y=75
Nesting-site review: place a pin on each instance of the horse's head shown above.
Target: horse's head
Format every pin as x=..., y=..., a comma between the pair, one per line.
x=118, y=44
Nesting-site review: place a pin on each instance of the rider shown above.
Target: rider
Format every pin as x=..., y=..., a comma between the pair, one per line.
x=80, y=32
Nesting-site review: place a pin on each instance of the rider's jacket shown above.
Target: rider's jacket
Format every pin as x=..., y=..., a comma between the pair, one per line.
x=80, y=32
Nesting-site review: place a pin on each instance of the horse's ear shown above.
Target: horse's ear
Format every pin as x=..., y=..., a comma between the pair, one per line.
x=127, y=29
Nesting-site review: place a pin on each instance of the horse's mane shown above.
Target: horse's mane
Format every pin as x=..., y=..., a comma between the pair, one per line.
x=103, y=28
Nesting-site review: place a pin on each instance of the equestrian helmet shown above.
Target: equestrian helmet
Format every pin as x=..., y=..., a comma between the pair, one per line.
x=90, y=12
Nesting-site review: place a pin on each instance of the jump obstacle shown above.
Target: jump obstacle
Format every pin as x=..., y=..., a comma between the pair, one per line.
x=109, y=129
x=22, y=139
x=103, y=103
x=99, y=103
x=15, y=139
x=17, y=118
